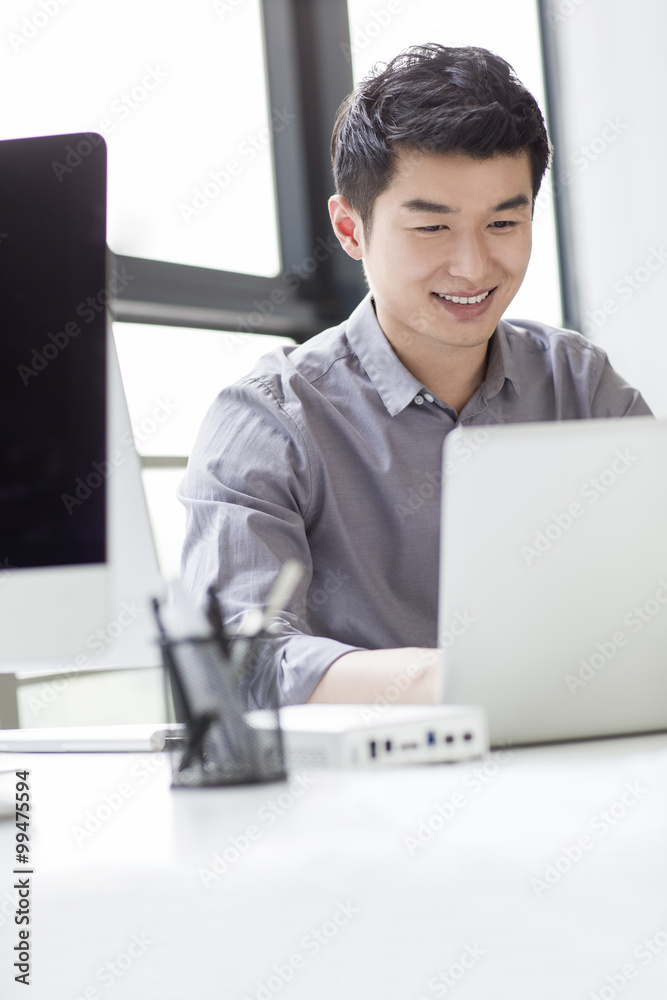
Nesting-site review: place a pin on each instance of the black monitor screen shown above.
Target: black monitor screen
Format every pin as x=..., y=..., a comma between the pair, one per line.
x=53, y=296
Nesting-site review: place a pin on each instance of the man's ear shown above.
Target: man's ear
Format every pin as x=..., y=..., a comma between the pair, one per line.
x=347, y=226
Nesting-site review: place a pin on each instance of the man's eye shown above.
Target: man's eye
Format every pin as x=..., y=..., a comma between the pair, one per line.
x=504, y=224
x=430, y=229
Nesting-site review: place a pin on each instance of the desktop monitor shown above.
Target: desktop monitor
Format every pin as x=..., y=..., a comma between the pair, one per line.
x=76, y=552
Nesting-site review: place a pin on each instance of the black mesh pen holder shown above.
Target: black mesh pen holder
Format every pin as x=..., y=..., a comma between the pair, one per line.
x=225, y=742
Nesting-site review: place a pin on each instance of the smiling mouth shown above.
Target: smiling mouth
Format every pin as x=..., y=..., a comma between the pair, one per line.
x=464, y=300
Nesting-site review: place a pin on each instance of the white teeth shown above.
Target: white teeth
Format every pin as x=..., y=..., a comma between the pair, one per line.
x=462, y=300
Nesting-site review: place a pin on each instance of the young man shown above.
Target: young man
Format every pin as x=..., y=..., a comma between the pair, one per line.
x=330, y=452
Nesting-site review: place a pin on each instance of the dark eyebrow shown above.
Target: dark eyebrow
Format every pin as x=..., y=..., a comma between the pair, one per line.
x=519, y=201
x=434, y=207
x=420, y=205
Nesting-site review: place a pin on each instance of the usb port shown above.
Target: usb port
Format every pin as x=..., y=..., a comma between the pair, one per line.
x=372, y=748
x=387, y=746
x=430, y=738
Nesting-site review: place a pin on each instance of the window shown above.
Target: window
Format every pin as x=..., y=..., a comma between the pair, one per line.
x=171, y=376
x=179, y=93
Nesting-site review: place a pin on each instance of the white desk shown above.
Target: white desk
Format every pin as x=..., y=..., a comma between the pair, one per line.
x=459, y=916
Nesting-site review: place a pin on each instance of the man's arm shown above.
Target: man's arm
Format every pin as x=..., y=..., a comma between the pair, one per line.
x=247, y=491
x=408, y=676
x=614, y=397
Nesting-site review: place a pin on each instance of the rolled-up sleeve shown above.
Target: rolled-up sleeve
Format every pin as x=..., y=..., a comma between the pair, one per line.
x=248, y=492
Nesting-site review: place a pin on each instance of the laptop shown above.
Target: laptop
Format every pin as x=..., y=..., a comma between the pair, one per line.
x=553, y=577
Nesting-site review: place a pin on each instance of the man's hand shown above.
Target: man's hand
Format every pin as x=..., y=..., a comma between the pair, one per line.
x=406, y=676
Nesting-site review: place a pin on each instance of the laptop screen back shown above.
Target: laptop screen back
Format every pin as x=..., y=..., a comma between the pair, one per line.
x=553, y=590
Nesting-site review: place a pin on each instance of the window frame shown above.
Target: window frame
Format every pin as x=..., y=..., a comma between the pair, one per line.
x=307, y=73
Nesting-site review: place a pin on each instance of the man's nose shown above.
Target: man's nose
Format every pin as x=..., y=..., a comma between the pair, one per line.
x=468, y=258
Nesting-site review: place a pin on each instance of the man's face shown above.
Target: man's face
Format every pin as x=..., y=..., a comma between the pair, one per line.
x=448, y=226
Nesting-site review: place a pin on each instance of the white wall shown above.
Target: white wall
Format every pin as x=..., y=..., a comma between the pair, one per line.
x=614, y=147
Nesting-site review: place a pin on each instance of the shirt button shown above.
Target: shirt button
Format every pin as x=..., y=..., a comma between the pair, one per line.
x=428, y=397
x=419, y=400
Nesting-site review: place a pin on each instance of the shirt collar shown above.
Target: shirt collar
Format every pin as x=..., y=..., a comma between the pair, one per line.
x=395, y=385
x=502, y=364
x=393, y=382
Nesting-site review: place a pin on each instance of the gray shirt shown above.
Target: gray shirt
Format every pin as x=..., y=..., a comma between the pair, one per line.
x=331, y=453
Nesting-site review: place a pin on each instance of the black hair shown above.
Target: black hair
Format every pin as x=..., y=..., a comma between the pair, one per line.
x=433, y=99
